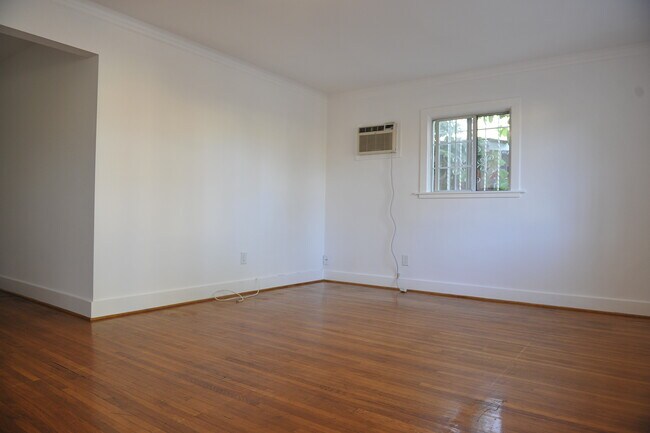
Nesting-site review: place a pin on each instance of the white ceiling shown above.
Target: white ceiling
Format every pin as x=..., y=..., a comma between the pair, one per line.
x=338, y=45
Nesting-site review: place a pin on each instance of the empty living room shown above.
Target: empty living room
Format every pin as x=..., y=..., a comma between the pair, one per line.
x=383, y=216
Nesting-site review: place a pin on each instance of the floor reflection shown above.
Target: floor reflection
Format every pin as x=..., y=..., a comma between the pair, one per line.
x=481, y=417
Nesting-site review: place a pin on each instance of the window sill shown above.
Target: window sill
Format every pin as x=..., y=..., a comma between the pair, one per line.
x=471, y=194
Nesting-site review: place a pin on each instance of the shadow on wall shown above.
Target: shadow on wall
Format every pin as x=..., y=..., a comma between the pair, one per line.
x=48, y=116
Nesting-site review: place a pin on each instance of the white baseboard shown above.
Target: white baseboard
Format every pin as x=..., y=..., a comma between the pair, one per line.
x=614, y=305
x=46, y=295
x=144, y=301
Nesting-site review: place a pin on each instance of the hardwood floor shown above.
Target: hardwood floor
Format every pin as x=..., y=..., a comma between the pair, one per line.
x=329, y=358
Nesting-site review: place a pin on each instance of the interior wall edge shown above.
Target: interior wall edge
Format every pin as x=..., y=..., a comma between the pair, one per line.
x=137, y=26
x=553, y=299
x=49, y=43
x=46, y=295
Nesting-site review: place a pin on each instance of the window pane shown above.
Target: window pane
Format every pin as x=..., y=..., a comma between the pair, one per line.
x=453, y=179
x=446, y=131
x=443, y=155
x=493, y=152
x=453, y=154
x=459, y=154
x=452, y=151
x=441, y=184
x=460, y=178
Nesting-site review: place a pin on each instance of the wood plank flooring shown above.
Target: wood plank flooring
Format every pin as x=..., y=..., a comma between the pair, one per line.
x=326, y=358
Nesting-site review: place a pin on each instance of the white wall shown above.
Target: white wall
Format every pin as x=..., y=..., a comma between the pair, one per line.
x=579, y=237
x=198, y=159
x=48, y=102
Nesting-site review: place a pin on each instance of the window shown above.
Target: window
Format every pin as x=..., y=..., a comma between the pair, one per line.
x=470, y=151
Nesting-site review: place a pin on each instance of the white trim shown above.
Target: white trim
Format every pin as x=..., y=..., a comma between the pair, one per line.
x=143, y=301
x=66, y=301
x=471, y=194
x=137, y=26
x=141, y=27
x=428, y=115
x=642, y=48
x=44, y=41
x=109, y=306
x=596, y=303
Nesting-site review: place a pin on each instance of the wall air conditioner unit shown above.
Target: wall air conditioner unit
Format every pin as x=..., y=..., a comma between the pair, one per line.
x=378, y=139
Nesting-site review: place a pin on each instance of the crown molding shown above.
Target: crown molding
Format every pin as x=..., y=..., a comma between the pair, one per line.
x=512, y=68
x=142, y=28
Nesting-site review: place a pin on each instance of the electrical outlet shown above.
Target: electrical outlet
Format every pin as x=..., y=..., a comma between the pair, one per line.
x=243, y=258
x=325, y=260
x=405, y=260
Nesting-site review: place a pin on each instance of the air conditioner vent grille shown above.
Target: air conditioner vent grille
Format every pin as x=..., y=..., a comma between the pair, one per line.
x=377, y=139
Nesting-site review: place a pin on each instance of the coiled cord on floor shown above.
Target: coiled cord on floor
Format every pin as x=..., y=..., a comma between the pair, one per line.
x=239, y=297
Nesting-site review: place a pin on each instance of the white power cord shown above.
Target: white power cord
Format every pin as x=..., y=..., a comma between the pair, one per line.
x=238, y=296
x=392, y=218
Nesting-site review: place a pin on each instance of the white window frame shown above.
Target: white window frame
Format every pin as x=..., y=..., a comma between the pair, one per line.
x=427, y=117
